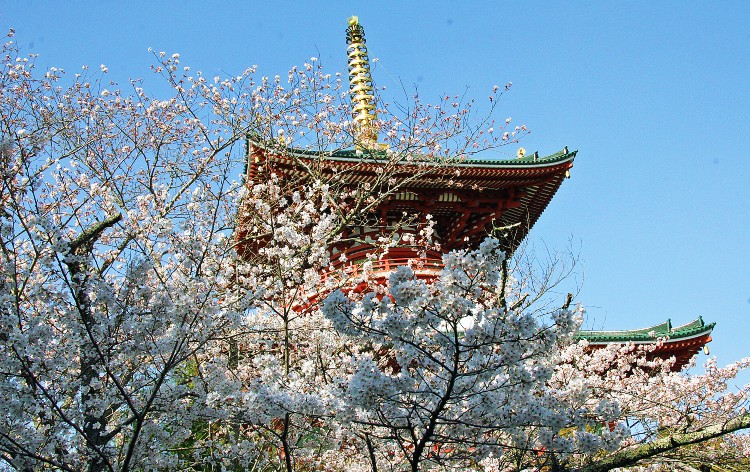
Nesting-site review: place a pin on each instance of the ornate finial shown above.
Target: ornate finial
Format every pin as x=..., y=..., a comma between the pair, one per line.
x=360, y=86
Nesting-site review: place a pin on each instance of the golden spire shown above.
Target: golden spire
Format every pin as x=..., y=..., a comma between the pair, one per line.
x=360, y=86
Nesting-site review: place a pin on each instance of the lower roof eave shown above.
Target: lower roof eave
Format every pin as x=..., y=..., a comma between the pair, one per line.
x=652, y=341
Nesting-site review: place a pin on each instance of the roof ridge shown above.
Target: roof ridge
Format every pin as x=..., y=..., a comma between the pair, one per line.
x=372, y=154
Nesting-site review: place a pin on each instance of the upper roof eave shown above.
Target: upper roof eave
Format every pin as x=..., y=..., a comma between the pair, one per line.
x=352, y=156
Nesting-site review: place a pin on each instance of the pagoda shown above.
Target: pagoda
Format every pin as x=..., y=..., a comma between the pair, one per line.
x=464, y=201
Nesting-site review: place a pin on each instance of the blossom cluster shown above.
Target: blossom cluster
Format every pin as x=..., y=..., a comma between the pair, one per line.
x=449, y=369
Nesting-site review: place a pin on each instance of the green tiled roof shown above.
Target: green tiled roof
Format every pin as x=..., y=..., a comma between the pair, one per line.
x=529, y=159
x=356, y=155
x=526, y=160
x=664, y=330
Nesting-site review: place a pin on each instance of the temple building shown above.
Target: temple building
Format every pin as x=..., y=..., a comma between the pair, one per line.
x=466, y=201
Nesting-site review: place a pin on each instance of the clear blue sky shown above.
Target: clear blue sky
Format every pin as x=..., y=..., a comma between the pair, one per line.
x=655, y=96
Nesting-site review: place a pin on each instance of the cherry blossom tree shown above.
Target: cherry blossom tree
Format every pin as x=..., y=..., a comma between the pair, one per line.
x=158, y=312
x=116, y=219
x=124, y=303
x=453, y=377
x=460, y=374
x=678, y=421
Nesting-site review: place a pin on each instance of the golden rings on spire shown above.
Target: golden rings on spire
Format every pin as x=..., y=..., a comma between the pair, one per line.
x=360, y=86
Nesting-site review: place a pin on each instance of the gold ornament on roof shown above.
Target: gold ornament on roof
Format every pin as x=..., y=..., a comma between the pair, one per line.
x=360, y=87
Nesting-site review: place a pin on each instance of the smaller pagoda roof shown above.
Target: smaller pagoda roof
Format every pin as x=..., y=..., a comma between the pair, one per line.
x=694, y=329
x=680, y=343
